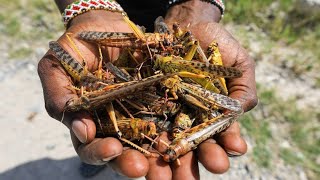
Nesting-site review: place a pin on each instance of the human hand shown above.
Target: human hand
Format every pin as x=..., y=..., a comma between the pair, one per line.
x=202, y=20
x=54, y=80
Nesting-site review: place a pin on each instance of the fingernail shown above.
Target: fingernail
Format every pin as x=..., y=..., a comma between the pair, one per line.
x=211, y=141
x=80, y=130
x=233, y=153
x=110, y=158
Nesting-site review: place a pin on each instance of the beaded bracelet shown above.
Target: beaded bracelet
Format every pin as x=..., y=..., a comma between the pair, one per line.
x=218, y=3
x=82, y=6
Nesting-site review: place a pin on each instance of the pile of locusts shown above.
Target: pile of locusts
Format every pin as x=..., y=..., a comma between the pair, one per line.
x=177, y=88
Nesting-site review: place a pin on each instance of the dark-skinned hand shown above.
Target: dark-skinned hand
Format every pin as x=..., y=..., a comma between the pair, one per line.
x=54, y=80
x=201, y=18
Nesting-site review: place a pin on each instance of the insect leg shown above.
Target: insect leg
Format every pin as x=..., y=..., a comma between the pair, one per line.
x=113, y=118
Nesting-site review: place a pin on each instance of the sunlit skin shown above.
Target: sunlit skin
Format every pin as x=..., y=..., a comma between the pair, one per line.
x=213, y=154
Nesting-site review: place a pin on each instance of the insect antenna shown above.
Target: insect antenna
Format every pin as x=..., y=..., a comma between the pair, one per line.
x=62, y=118
x=152, y=141
x=74, y=46
x=137, y=147
x=99, y=122
x=124, y=108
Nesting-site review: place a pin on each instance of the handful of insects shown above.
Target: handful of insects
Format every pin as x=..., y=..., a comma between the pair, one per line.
x=178, y=88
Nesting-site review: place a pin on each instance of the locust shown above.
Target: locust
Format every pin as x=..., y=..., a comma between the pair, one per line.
x=191, y=46
x=187, y=138
x=161, y=41
x=76, y=70
x=125, y=40
x=190, y=139
x=193, y=51
x=182, y=122
x=97, y=99
x=134, y=129
x=153, y=104
x=170, y=64
x=197, y=95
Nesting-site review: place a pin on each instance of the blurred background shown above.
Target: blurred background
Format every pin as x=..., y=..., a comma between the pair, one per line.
x=283, y=131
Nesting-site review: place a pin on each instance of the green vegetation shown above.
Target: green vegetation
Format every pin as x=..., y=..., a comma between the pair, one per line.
x=30, y=21
x=20, y=53
x=284, y=25
x=257, y=127
x=12, y=26
x=280, y=19
x=259, y=131
x=302, y=129
x=34, y=18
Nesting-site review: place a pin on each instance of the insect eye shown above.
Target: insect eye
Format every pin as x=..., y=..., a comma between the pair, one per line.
x=166, y=42
x=187, y=34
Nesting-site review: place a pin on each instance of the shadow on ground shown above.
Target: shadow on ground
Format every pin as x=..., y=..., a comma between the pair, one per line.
x=50, y=169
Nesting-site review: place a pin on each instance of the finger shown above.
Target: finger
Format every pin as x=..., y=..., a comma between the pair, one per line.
x=188, y=168
x=231, y=140
x=80, y=51
x=158, y=169
x=233, y=54
x=163, y=142
x=131, y=163
x=54, y=81
x=99, y=151
x=244, y=88
x=83, y=127
x=213, y=157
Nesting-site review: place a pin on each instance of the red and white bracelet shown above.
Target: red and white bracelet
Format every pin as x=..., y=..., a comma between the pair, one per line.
x=82, y=6
x=218, y=3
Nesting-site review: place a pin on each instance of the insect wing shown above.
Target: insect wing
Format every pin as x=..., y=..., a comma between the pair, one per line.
x=111, y=39
x=211, y=70
x=118, y=73
x=72, y=66
x=96, y=36
x=125, y=90
x=213, y=98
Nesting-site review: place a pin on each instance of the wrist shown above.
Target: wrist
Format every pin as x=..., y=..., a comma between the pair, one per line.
x=95, y=18
x=193, y=12
x=82, y=6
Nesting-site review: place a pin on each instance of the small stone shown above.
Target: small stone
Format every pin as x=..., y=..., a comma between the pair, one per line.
x=285, y=144
x=50, y=147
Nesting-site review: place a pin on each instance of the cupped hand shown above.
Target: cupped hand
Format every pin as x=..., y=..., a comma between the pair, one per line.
x=201, y=18
x=54, y=81
x=213, y=153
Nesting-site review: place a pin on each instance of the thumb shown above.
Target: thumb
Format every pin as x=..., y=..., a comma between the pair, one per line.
x=83, y=127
